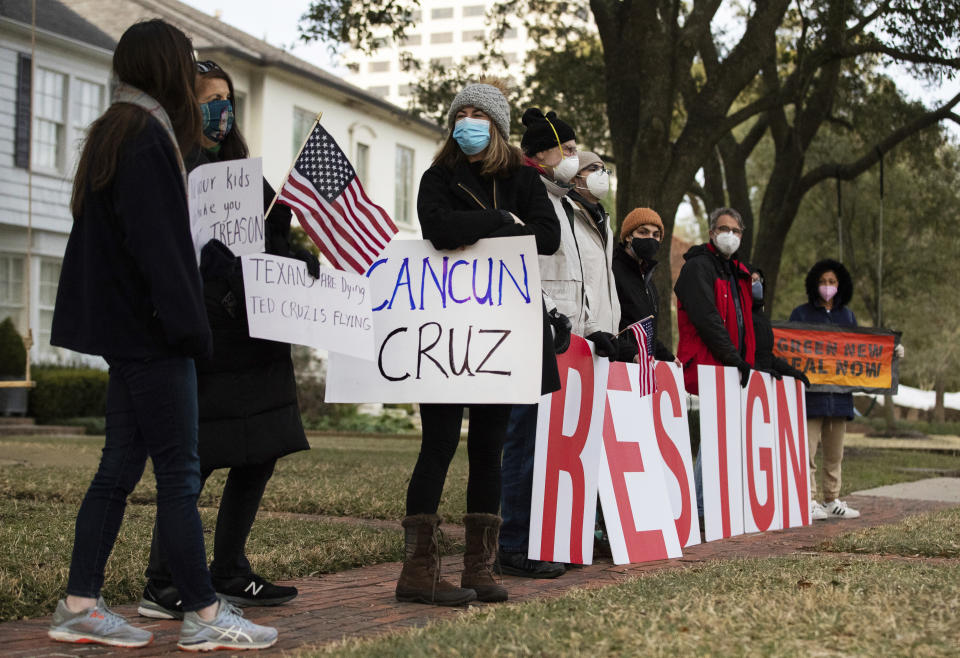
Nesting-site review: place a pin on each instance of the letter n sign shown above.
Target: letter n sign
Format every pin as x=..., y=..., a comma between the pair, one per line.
x=761, y=464
x=792, y=446
x=567, y=461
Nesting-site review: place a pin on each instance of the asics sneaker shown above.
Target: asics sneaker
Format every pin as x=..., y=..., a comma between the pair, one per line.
x=96, y=625
x=229, y=630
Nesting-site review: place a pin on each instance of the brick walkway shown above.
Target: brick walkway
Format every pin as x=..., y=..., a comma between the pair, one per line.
x=360, y=602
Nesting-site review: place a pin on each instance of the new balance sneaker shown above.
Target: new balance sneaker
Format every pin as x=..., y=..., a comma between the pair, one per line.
x=817, y=513
x=229, y=630
x=160, y=602
x=840, y=510
x=253, y=590
x=96, y=625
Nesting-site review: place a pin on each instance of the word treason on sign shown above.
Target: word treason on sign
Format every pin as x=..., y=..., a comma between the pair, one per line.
x=840, y=358
x=226, y=204
x=465, y=326
x=599, y=435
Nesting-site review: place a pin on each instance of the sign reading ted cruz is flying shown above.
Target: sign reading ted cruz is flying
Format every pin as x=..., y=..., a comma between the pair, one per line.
x=840, y=359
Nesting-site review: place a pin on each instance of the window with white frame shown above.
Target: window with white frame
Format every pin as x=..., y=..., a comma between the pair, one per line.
x=302, y=123
x=12, y=290
x=361, y=161
x=87, y=101
x=49, y=120
x=47, y=298
x=403, y=193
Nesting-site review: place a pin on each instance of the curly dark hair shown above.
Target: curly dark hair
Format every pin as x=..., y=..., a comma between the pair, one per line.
x=844, y=281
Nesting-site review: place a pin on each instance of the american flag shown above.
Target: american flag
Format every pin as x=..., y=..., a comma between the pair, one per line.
x=643, y=332
x=326, y=196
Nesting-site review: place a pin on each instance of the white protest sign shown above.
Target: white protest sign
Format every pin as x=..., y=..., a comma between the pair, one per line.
x=761, y=460
x=720, y=452
x=566, y=464
x=633, y=487
x=286, y=304
x=792, y=447
x=226, y=204
x=451, y=326
x=673, y=439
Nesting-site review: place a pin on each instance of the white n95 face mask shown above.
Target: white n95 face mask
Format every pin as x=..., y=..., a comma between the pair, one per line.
x=567, y=169
x=598, y=183
x=727, y=243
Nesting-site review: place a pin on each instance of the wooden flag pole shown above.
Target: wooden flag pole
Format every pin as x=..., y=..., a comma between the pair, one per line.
x=290, y=170
x=630, y=325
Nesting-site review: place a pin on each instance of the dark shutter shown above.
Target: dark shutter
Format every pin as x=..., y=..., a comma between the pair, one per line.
x=21, y=149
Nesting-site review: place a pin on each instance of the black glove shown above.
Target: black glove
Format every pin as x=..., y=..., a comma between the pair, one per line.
x=561, y=331
x=770, y=371
x=605, y=344
x=744, y=369
x=312, y=262
x=802, y=377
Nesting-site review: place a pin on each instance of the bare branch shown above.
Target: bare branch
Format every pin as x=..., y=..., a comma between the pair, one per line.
x=850, y=170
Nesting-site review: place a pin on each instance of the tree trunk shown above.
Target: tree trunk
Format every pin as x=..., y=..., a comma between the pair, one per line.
x=940, y=388
x=889, y=414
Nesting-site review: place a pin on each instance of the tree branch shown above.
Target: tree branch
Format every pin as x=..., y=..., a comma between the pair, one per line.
x=850, y=170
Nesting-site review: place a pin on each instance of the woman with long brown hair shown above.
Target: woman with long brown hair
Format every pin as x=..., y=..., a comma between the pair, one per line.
x=130, y=292
x=477, y=188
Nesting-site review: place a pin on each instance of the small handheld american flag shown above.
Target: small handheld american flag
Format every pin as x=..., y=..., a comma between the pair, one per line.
x=325, y=194
x=643, y=332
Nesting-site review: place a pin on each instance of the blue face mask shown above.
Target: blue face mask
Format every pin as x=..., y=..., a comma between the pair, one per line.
x=217, y=119
x=757, y=290
x=473, y=135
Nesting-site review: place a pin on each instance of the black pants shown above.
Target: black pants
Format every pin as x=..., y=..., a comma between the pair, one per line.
x=238, y=509
x=441, y=435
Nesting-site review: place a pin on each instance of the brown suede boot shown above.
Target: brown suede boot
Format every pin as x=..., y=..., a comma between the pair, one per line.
x=483, y=533
x=420, y=580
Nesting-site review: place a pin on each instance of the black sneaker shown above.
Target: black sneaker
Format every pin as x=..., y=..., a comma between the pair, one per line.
x=160, y=602
x=253, y=590
x=518, y=564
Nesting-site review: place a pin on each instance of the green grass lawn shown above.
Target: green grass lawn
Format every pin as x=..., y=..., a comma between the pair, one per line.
x=934, y=534
x=37, y=539
x=768, y=607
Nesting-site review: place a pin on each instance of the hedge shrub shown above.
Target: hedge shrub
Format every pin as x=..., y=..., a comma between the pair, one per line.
x=68, y=393
x=13, y=355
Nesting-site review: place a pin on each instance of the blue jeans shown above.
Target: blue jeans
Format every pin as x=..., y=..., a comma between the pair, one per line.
x=151, y=411
x=517, y=478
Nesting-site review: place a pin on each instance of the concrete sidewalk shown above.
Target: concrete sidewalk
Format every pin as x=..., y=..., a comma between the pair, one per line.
x=360, y=602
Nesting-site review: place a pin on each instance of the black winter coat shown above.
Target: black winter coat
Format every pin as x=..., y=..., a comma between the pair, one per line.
x=763, y=337
x=129, y=285
x=458, y=206
x=248, y=393
x=638, y=296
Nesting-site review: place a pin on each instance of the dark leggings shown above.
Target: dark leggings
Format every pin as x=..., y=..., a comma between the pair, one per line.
x=238, y=509
x=441, y=436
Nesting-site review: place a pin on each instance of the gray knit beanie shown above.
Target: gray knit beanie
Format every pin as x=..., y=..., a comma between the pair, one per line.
x=483, y=97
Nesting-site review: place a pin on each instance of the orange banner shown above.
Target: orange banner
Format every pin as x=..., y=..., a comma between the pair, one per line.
x=851, y=359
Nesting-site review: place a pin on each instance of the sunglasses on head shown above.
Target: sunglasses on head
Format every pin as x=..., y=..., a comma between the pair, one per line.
x=207, y=66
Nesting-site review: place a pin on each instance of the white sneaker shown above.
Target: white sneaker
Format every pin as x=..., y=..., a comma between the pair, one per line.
x=817, y=513
x=228, y=631
x=840, y=510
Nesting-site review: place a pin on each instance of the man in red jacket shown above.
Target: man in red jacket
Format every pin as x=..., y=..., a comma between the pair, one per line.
x=714, y=315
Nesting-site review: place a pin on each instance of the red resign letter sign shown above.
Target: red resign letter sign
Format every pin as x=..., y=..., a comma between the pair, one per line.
x=792, y=447
x=566, y=464
x=633, y=489
x=761, y=467
x=721, y=455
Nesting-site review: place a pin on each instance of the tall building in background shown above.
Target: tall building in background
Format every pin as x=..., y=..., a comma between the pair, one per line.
x=443, y=31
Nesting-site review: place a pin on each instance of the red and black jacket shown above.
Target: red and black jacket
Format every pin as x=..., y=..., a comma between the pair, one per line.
x=707, y=312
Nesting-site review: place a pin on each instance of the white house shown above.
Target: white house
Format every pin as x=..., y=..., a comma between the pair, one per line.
x=278, y=96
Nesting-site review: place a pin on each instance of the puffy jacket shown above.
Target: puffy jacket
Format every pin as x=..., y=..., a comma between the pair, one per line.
x=591, y=228
x=711, y=290
x=561, y=274
x=827, y=405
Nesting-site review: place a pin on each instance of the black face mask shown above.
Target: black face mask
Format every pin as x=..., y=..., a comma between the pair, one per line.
x=645, y=248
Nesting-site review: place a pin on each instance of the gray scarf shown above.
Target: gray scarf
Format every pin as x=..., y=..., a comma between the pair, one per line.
x=124, y=93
